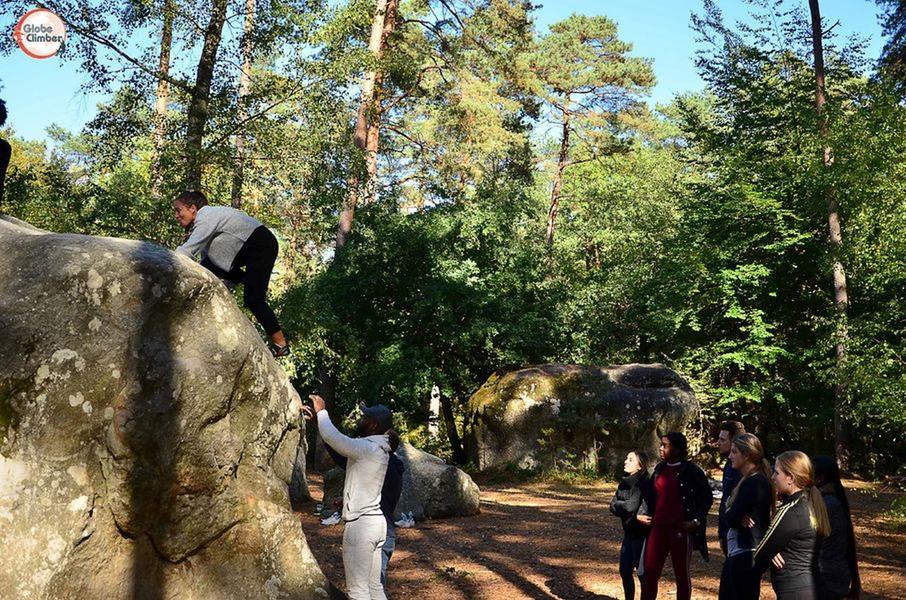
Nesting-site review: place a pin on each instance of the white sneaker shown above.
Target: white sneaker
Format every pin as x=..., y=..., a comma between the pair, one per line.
x=331, y=520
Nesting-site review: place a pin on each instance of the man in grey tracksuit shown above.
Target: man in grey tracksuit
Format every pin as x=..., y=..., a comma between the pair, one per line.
x=365, y=528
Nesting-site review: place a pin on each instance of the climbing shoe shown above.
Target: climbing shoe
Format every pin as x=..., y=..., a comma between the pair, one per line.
x=279, y=351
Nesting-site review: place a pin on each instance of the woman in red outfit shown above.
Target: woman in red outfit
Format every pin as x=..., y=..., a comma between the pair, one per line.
x=676, y=508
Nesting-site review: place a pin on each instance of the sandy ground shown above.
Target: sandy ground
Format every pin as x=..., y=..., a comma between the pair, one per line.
x=556, y=541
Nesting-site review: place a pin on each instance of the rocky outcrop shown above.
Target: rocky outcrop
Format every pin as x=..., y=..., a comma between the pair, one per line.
x=575, y=416
x=147, y=437
x=431, y=487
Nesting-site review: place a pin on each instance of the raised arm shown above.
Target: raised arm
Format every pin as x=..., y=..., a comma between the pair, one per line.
x=343, y=444
x=336, y=456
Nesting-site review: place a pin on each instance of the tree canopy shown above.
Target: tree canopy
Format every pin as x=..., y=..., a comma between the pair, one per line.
x=693, y=233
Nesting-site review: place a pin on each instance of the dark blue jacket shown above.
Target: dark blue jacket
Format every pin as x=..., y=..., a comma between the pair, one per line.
x=730, y=479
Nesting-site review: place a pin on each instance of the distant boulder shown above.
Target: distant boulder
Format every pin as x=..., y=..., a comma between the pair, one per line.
x=578, y=416
x=431, y=487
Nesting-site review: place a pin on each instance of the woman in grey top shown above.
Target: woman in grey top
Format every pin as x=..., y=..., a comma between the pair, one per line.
x=236, y=248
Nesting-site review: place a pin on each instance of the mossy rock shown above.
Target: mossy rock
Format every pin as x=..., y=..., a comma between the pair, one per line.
x=149, y=437
x=575, y=416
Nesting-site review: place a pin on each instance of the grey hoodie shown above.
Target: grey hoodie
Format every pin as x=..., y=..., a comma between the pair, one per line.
x=219, y=232
x=365, y=470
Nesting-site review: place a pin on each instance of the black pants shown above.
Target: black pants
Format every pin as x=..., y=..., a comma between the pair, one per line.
x=738, y=580
x=257, y=255
x=630, y=554
x=806, y=594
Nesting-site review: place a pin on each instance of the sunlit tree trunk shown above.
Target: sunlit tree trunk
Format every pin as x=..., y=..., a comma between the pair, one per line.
x=369, y=109
x=242, y=112
x=197, y=116
x=160, y=104
x=562, y=163
x=841, y=299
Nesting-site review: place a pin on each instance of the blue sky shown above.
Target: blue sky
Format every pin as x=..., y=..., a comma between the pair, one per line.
x=42, y=92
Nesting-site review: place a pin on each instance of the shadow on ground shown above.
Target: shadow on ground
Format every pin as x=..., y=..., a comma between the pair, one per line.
x=559, y=542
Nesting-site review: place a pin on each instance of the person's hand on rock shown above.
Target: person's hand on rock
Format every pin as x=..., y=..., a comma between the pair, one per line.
x=308, y=412
x=317, y=402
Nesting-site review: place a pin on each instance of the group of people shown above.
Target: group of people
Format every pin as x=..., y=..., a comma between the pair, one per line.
x=793, y=519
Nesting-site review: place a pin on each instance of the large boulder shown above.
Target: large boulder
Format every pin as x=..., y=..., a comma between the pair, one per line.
x=575, y=416
x=431, y=487
x=147, y=437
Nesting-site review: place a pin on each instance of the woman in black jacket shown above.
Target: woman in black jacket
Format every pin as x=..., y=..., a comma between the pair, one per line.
x=625, y=504
x=747, y=515
x=800, y=522
x=838, y=568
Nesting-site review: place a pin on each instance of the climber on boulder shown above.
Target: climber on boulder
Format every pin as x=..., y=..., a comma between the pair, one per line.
x=236, y=248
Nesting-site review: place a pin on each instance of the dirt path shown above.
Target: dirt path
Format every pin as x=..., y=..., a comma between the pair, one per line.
x=554, y=541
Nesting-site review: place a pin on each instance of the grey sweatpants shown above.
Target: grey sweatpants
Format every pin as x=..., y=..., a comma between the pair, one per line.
x=363, y=540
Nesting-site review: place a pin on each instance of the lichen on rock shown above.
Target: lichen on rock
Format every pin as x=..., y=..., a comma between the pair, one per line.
x=574, y=416
x=133, y=464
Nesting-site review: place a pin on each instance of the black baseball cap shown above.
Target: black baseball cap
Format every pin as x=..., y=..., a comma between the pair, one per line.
x=380, y=414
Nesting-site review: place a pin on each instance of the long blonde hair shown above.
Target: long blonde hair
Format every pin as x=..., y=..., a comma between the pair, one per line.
x=800, y=468
x=750, y=446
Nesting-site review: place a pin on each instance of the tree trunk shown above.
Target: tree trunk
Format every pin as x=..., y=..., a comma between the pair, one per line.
x=562, y=163
x=197, y=116
x=841, y=299
x=160, y=104
x=459, y=453
x=374, y=116
x=385, y=11
x=242, y=109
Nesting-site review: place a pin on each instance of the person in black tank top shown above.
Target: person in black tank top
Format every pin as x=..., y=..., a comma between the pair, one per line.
x=747, y=516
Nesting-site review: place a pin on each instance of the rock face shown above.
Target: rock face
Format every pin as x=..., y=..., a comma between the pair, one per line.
x=147, y=437
x=576, y=416
x=431, y=487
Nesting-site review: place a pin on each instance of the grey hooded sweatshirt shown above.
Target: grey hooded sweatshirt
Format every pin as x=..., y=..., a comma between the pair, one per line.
x=365, y=469
x=219, y=233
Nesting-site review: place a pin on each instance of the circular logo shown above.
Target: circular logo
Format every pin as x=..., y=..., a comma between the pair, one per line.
x=40, y=33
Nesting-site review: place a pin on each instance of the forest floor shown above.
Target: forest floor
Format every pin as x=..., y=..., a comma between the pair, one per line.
x=559, y=541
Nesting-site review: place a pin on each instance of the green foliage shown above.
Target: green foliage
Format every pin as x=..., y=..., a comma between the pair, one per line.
x=436, y=298
x=895, y=516
x=695, y=235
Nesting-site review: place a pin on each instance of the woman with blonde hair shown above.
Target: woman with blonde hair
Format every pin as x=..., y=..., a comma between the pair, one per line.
x=801, y=520
x=747, y=515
